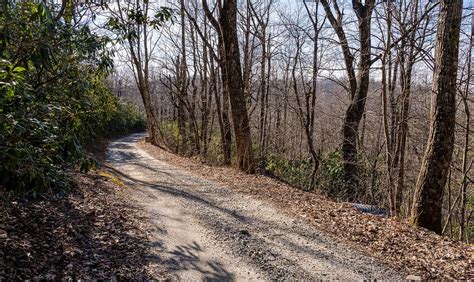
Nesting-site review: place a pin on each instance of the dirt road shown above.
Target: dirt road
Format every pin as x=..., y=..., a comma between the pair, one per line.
x=204, y=231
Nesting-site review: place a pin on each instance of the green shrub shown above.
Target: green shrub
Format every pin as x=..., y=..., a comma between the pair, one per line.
x=329, y=177
x=52, y=98
x=298, y=172
x=293, y=172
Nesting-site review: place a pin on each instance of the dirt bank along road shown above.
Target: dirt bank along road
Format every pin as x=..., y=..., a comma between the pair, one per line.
x=202, y=230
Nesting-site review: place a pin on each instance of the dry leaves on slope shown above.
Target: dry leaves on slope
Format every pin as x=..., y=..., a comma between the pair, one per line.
x=412, y=250
x=90, y=233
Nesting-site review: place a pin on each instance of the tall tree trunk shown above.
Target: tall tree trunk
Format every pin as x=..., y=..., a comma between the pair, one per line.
x=463, y=235
x=220, y=116
x=402, y=132
x=400, y=117
x=144, y=89
x=262, y=19
x=310, y=101
x=247, y=51
x=227, y=140
x=183, y=87
x=386, y=87
x=235, y=86
x=428, y=199
x=193, y=121
x=358, y=86
x=263, y=88
x=206, y=98
x=356, y=109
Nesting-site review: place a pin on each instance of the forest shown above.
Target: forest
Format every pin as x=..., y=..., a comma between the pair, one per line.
x=333, y=96
x=366, y=104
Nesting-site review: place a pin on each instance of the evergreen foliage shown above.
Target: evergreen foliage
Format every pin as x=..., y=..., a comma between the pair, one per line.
x=53, y=98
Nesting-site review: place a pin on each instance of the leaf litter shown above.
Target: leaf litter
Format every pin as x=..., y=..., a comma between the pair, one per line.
x=92, y=232
x=411, y=250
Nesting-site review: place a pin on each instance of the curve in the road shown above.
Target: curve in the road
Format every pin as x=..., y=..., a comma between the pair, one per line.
x=204, y=231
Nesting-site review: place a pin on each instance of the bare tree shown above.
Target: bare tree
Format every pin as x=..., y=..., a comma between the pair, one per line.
x=134, y=23
x=291, y=93
x=262, y=19
x=466, y=164
x=427, y=203
x=226, y=26
x=358, y=85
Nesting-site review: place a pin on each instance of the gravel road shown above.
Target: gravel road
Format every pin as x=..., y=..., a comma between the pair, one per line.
x=204, y=231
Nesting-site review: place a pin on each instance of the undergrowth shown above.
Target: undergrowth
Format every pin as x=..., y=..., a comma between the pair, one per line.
x=53, y=98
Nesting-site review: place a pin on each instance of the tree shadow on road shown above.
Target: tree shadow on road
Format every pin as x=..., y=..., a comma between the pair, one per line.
x=187, y=257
